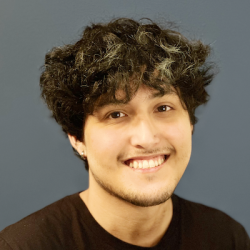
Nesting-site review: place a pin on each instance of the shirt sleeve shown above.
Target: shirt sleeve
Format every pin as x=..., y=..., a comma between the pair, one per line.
x=4, y=245
x=244, y=240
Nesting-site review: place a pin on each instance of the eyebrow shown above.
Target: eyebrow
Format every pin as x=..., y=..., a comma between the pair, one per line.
x=158, y=94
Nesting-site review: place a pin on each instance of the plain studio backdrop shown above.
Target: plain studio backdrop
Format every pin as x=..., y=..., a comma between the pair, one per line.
x=37, y=164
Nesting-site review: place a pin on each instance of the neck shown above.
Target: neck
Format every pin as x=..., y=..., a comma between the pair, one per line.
x=141, y=226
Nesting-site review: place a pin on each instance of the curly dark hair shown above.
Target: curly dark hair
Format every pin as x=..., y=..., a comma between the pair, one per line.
x=108, y=56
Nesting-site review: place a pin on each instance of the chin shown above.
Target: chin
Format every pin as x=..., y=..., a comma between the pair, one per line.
x=153, y=197
x=146, y=200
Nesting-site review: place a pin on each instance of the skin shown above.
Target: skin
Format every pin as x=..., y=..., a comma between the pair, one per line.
x=118, y=195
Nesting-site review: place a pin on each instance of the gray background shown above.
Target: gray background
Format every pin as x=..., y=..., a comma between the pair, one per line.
x=37, y=165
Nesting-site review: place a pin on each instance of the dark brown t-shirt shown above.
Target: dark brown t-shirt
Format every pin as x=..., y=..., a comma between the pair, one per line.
x=68, y=225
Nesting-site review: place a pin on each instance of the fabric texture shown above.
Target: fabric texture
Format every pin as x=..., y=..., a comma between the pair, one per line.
x=68, y=225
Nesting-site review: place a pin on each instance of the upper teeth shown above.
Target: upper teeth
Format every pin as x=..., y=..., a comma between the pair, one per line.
x=154, y=162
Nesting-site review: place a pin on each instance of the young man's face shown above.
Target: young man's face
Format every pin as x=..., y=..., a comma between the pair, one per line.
x=139, y=151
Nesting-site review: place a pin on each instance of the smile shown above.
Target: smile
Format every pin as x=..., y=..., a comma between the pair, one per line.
x=146, y=163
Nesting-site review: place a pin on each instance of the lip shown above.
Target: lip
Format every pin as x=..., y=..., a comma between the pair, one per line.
x=147, y=170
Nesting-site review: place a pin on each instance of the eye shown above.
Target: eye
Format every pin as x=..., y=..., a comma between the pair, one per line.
x=116, y=114
x=163, y=108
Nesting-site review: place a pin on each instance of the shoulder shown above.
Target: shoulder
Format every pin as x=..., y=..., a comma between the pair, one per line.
x=207, y=216
x=42, y=227
x=199, y=221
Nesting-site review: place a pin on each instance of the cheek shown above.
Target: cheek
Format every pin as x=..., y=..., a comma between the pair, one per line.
x=104, y=143
x=179, y=135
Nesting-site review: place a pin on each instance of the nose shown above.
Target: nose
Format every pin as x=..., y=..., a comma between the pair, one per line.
x=144, y=134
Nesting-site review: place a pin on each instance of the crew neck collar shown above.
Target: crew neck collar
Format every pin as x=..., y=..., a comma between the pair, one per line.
x=168, y=240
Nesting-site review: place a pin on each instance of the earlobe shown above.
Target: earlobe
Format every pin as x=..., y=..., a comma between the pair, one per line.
x=83, y=155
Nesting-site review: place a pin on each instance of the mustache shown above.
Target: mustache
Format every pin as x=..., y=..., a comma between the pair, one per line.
x=141, y=152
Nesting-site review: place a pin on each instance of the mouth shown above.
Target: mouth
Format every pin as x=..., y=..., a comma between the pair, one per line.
x=146, y=162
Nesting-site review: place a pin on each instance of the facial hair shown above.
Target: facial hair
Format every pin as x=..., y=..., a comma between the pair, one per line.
x=141, y=200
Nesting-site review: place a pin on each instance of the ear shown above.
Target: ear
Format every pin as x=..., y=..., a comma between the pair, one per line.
x=79, y=146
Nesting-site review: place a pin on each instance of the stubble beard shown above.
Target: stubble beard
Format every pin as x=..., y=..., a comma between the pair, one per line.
x=141, y=200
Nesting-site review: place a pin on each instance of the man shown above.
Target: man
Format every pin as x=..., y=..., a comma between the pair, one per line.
x=126, y=94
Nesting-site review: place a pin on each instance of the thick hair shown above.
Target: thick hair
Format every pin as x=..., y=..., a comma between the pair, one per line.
x=109, y=57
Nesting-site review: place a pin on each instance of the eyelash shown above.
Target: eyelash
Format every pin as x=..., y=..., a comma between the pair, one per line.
x=166, y=108
x=116, y=112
